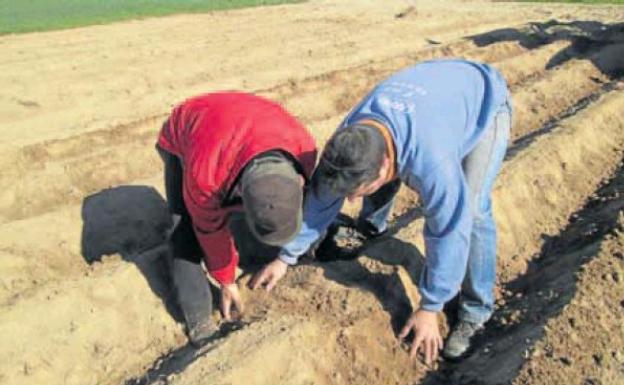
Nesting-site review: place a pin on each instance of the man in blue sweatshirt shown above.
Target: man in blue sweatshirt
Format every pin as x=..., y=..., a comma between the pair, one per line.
x=442, y=128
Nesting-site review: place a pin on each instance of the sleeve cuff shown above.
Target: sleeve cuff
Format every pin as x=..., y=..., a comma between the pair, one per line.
x=224, y=276
x=288, y=259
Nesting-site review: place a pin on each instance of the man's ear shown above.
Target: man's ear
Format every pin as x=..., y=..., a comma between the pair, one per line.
x=386, y=161
x=301, y=180
x=385, y=167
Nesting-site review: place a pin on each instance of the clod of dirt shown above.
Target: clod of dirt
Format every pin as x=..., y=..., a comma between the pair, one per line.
x=409, y=11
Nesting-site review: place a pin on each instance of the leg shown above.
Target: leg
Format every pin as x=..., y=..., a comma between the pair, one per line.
x=183, y=242
x=194, y=297
x=373, y=219
x=476, y=299
x=173, y=182
x=481, y=167
x=189, y=281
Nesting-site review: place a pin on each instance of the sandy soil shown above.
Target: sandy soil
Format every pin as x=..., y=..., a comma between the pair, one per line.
x=82, y=220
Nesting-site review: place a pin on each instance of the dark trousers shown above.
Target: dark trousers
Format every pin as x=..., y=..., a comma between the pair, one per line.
x=189, y=280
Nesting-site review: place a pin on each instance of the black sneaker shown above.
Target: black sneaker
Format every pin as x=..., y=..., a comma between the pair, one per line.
x=458, y=343
x=343, y=240
x=368, y=231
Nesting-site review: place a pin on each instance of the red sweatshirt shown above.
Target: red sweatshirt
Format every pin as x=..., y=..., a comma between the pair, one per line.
x=215, y=135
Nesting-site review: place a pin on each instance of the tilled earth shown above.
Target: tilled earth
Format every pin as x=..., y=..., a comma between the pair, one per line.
x=83, y=293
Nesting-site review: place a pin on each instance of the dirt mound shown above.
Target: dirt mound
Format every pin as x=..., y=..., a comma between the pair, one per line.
x=82, y=218
x=585, y=340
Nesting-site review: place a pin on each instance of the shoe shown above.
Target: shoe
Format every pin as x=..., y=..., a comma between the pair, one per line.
x=367, y=230
x=199, y=334
x=340, y=243
x=343, y=240
x=458, y=343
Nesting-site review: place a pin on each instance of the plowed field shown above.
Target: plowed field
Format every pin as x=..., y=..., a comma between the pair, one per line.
x=83, y=294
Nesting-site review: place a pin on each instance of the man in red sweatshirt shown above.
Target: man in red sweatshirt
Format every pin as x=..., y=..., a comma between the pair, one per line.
x=225, y=153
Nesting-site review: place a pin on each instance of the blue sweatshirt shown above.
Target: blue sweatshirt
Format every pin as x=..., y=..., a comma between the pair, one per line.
x=436, y=112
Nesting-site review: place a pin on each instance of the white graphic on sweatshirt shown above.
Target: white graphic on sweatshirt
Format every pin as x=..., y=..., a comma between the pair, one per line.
x=406, y=90
x=400, y=96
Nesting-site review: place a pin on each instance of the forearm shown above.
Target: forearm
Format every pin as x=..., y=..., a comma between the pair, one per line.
x=291, y=252
x=220, y=255
x=320, y=210
x=445, y=268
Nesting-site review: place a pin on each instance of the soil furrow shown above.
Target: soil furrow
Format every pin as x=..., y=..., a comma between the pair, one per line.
x=389, y=276
x=72, y=177
x=137, y=329
x=124, y=220
x=130, y=75
x=84, y=292
x=585, y=341
x=368, y=73
x=522, y=142
x=553, y=296
x=543, y=185
x=536, y=104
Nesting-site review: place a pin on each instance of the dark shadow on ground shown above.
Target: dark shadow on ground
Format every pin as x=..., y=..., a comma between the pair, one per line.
x=376, y=270
x=537, y=296
x=131, y=221
x=601, y=43
x=253, y=255
x=373, y=264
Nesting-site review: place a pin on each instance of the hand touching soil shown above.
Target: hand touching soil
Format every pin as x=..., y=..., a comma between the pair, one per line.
x=269, y=275
x=427, y=336
x=231, y=296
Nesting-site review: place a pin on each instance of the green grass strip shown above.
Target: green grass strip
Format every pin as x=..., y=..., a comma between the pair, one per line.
x=18, y=16
x=575, y=1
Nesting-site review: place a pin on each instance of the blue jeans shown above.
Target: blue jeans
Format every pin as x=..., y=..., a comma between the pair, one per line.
x=481, y=166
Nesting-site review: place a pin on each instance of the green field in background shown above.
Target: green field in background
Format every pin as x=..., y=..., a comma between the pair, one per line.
x=576, y=1
x=18, y=16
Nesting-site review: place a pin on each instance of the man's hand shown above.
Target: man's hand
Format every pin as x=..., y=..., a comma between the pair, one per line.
x=427, y=336
x=230, y=296
x=269, y=275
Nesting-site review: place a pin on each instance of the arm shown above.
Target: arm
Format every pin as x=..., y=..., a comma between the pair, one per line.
x=220, y=254
x=320, y=209
x=221, y=257
x=448, y=224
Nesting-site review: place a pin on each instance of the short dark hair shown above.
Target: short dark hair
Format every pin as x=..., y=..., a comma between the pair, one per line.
x=352, y=157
